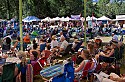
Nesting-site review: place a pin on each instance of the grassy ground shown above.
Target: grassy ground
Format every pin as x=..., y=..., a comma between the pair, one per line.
x=38, y=78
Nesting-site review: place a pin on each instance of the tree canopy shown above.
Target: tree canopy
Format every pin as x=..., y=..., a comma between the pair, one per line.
x=53, y=8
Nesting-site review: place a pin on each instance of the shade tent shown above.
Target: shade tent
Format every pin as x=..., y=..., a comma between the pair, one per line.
x=93, y=18
x=122, y=19
x=119, y=17
x=64, y=19
x=30, y=19
x=47, y=19
x=103, y=18
x=55, y=19
x=88, y=18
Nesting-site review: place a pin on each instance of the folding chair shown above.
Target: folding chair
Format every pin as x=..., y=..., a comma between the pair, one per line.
x=85, y=72
x=8, y=73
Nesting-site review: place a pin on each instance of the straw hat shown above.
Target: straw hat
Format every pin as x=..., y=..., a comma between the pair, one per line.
x=54, y=37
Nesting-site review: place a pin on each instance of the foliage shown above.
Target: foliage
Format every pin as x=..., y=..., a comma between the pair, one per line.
x=53, y=8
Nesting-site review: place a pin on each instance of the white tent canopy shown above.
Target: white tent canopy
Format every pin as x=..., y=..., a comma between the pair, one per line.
x=46, y=19
x=103, y=18
x=64, y=19
x=93, y=18
x=55, y=19
x=119, y=17
x=88, y=18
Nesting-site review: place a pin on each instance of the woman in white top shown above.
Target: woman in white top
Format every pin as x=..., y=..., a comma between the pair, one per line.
x=54, y=42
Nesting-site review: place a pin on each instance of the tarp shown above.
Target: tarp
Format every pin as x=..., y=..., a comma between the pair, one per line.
x=30, y=19
x=103, y=18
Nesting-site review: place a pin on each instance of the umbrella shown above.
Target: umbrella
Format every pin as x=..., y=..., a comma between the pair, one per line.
x=30, y=19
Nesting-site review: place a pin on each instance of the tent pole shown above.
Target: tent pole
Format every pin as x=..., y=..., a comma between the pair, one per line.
x=85, y=41
x=20, y=21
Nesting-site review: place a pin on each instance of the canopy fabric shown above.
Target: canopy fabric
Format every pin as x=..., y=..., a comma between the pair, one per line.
x=103, y=18
x=88, y=18
x=64, y=19
x=30, y=19
x=91, y=18
x=119, y=17
x=47, y=19
x=55, y=19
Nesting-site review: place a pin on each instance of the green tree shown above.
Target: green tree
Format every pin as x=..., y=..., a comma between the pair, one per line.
x=103, y=7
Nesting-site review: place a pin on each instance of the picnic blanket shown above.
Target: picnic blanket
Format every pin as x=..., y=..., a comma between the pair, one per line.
x=52, y=71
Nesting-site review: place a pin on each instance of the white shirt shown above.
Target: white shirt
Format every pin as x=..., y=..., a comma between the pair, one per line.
x=64, y=44
x=54, y=43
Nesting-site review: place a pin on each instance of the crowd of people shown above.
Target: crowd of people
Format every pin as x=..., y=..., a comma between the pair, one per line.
x=71, y=28
x=50, y=44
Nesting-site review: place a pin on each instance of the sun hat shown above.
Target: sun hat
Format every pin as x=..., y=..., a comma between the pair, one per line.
x=54, y=37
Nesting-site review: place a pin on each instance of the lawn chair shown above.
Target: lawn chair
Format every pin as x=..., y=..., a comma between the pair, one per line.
x=85, y=72
x=8, y=73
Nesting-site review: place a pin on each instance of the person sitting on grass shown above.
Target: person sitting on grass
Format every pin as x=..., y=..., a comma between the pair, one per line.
x=26, y=39
x=86, y=56
x=20, y=69
x=63, y=45
x=33, y=58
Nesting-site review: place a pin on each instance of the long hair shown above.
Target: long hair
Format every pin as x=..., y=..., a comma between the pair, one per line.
x=8, y=40
x=91, y=48
x=22, y=56
x=87, y=54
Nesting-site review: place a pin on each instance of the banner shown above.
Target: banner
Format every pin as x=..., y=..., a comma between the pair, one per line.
x=75, y=17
